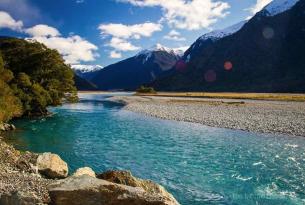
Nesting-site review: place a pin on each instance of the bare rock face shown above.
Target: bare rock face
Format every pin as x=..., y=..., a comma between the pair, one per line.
x=19, y=198
x=52, y=166
x=84, y=171
x=126, y=178
x=92, y=191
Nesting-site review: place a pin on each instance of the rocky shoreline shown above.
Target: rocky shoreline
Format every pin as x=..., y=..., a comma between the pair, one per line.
x=28, y=178
x=262, y=116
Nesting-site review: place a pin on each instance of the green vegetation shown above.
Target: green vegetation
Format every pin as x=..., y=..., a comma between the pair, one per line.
x=144, y=89
x=32, y=77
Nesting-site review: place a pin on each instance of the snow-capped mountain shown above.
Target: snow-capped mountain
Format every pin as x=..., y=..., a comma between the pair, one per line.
x=218, y=34
x=278, y=6
x=140, y=69
x=264, y=55
x=86, y=71
x=86, y=68
x=160, y=48
x=209, y=38
x=165, y=57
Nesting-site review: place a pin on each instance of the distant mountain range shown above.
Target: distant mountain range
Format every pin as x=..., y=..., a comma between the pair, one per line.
x=264, y=54
x=143, y=68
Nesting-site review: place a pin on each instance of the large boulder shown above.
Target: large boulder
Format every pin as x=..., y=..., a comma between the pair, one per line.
x=84, y=171
x=52, y=166
x=19, y=198
x=126, y=178
x=92, y=191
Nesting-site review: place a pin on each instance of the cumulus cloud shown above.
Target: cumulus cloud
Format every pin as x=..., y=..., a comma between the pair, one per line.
x=122, y=45
x=121, y=35
x=42, y=30
x=130, y=31
x=187, y=14
x=174, y=36
x=6, y=21
x=74, y=49
x=115, y=54
x=260, y=4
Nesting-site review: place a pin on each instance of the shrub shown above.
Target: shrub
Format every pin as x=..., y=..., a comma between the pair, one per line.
x=143, y=89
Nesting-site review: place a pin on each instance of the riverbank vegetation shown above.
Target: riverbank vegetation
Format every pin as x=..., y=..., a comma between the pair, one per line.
x=146, y=90
x=32, y=77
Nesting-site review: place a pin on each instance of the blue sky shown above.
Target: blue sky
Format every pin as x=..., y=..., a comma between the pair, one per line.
x=106, y=31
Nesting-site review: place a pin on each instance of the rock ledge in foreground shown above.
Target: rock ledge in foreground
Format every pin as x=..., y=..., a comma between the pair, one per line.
x=92, y=191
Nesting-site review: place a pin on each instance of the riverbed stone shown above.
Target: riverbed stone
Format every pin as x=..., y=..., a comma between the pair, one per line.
x=19, y=198
x=52, y=166
x=92, y=191
x=126, y=178
x=84, y=171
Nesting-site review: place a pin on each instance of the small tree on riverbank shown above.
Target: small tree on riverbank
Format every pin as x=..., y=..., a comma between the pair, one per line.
x=148, y=90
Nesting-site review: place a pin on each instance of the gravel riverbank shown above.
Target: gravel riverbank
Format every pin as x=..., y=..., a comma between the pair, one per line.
x=249, y=115
x=17, y=176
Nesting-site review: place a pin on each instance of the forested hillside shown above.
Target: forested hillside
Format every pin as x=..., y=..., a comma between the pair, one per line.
x=32, y=77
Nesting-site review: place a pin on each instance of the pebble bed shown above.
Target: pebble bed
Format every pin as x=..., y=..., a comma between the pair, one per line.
x=249, y=115
x=15, y=175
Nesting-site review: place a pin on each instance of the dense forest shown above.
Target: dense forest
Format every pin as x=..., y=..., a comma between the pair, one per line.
x=32, y=77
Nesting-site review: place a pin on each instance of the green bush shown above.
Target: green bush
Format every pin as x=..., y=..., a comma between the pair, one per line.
x=144, y=89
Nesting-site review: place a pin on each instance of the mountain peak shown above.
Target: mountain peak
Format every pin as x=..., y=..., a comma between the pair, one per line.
x=86, y=68
x=160, y=48
x=279, y=6
x=217, y=34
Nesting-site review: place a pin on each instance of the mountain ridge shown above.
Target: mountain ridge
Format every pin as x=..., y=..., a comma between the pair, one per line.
x=261, y=57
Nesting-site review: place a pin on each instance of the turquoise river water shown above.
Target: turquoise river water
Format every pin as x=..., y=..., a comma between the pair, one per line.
x=198, y=164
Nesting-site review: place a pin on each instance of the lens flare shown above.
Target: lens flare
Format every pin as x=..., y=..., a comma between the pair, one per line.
x=181, y=66
x=210, y=76
x=228, y=65
x=268, y=33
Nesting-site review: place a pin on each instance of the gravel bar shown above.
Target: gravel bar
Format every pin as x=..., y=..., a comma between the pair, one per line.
x=261, y=116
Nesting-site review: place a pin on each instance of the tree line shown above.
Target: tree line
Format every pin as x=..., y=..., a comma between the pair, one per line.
x=32, y=77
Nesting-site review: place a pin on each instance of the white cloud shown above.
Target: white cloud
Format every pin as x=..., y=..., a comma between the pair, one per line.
x=115, y=54
x=74, y=48
x=6, y=21
x=130, y=31
x=122, y=45
x=42, y=30
x=80, y=1
x=260, y=4
x=187, y=14
x=174, y=36
x=121, y=35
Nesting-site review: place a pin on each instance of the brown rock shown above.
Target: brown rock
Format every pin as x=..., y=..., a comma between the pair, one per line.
x=92, y=191
x=84, y=171
x=126, y=178
x=52, y=166
x=19, y=198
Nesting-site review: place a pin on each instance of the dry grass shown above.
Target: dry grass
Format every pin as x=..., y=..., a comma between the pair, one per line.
x=245, y=96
